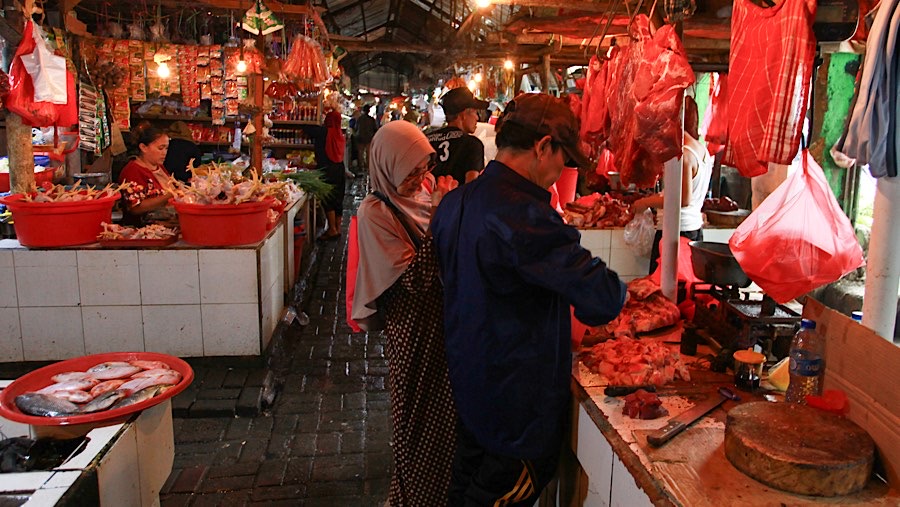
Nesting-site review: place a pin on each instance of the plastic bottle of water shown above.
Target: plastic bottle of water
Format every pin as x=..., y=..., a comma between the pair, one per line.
x=807, y=363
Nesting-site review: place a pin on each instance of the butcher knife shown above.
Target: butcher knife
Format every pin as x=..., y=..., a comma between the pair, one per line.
x=681, y=421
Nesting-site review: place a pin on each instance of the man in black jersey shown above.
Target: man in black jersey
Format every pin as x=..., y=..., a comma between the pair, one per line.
x=459, y=153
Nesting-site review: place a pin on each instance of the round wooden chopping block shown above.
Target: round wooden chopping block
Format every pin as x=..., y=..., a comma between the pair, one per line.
x=798, y=449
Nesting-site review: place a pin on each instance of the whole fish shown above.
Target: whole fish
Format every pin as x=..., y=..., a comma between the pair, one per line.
x=71, y=375
x=106, y=386
x=104, y=401
x=149, y=365
x=139, y=396
x=69, y=385
x=44, y=405
x=157, y=372
x=73, y=396
x=113, y=370
x=139, y=383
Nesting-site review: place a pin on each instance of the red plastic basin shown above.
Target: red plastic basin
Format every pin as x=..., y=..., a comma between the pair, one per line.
x=45, y=176
x=222, y=224
x=55, y=224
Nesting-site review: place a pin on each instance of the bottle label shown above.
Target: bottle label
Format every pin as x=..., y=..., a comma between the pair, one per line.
x=805, y=366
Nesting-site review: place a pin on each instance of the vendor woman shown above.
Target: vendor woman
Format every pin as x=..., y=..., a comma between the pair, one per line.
x=146, y=173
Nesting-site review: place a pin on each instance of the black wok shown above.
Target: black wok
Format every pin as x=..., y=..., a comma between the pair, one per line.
x=713, y=263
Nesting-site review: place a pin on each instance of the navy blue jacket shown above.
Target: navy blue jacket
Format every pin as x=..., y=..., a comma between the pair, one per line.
x=511, y=267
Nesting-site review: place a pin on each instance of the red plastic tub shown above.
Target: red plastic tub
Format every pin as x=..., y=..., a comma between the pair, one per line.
x=222, y=224
x=45, y=176
x=54, y=224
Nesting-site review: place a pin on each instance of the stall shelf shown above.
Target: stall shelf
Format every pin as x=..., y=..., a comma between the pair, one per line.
x=183, y=300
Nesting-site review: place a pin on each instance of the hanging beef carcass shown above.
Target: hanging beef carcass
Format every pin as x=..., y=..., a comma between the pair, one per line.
x=645, y=104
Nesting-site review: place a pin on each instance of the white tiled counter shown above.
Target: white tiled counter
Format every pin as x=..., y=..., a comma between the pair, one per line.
x=181, y=300
x=609, y=245
x=122, y=464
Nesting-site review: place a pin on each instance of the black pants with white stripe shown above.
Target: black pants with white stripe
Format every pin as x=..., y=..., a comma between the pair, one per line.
x=482, y=478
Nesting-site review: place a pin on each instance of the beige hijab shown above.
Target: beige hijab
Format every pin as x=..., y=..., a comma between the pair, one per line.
x=385, y=249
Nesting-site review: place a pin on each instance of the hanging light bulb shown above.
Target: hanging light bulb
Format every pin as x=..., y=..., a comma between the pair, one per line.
x=481, y=4
x=472, y=85
x=477, y=77
x=241, y=66
x=508, y=64
x=163, y=70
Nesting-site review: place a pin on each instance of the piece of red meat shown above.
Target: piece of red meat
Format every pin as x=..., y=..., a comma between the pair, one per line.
x=650, y=77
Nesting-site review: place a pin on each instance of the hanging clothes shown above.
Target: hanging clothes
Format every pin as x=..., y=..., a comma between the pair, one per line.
x=772, y=55
x=872, y=132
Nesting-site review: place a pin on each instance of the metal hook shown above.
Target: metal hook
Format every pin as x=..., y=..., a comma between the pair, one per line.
x=610, y=14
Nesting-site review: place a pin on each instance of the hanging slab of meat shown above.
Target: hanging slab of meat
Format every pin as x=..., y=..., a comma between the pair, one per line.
x=772, y=55
x=595, y=111
x=646, y=126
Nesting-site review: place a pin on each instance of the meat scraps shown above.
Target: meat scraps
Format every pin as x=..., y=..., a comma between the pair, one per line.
x=597, y=211
x=645, y=102
x=646, y=310
x=629, y=362
x=643, y=405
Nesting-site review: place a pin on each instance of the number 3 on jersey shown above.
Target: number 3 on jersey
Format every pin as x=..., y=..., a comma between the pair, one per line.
x=443, y=151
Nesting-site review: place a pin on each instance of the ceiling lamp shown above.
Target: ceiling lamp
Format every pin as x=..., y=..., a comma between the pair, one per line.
x=481, y=4
x=477, y=77
x=162, y=68
x=259, y=20
x=508, y=64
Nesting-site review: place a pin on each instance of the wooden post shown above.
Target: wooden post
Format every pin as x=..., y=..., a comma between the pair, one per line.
x=258, y=87
x=21, y=156
x=545, y=73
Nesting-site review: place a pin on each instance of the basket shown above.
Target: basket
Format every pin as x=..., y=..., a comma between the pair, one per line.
x=222, y=224
x=56, y=224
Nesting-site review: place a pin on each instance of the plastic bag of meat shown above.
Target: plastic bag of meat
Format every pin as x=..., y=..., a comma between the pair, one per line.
x=651, y=78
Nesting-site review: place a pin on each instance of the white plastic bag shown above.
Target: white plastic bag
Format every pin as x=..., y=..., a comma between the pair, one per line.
x=639, y=233
x=47, y=71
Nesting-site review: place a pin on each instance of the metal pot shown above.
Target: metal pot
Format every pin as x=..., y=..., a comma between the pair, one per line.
x=714, y=263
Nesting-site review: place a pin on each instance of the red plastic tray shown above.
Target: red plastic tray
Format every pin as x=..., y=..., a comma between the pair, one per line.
x=137, y=243
x=40, y=378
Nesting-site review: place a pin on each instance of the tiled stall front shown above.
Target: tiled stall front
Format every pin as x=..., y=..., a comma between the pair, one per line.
x=609, y=245
x=57, y=304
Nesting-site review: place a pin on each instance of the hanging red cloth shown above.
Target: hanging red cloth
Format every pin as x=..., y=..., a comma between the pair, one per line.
x=772, y=55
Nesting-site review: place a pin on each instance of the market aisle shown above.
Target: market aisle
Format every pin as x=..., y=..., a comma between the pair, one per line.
x=325, y=441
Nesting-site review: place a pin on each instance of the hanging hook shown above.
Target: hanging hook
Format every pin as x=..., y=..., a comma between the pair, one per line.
x=610, y=14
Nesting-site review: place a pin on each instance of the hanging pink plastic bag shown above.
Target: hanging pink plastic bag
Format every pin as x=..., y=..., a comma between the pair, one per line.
x=798, y=238
x=47, y=71
x=21, y=96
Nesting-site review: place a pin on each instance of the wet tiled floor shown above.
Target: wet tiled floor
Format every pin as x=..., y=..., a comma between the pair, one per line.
x=325, y=440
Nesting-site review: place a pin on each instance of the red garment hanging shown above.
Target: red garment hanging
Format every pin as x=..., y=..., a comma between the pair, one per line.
x=772, y=55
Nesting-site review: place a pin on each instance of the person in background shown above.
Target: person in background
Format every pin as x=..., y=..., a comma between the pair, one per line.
x=696, y=169
x=330, y=158
x=459, y=153
x=511, y=269
x=365, y=130
x=182, y=149
x=397, y=287
x=146, y=173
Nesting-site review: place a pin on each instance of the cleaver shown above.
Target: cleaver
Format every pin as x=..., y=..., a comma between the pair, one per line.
x=681, y=421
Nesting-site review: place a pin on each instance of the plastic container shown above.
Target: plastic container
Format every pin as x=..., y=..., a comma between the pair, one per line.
x=807, y=363
x=45, y=176
x=56, y=224
x=222, y=224
x=566, y=185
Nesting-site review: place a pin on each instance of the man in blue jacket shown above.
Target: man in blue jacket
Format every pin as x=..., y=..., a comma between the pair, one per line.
x=511, y=267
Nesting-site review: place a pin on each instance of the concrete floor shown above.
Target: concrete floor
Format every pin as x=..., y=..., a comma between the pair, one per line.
x=326, y=438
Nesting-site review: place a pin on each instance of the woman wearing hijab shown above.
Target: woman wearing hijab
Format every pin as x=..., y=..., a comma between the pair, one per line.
x=397, y=287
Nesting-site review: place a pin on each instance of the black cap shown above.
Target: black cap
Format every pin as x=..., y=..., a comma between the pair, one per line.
x=459, y=99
